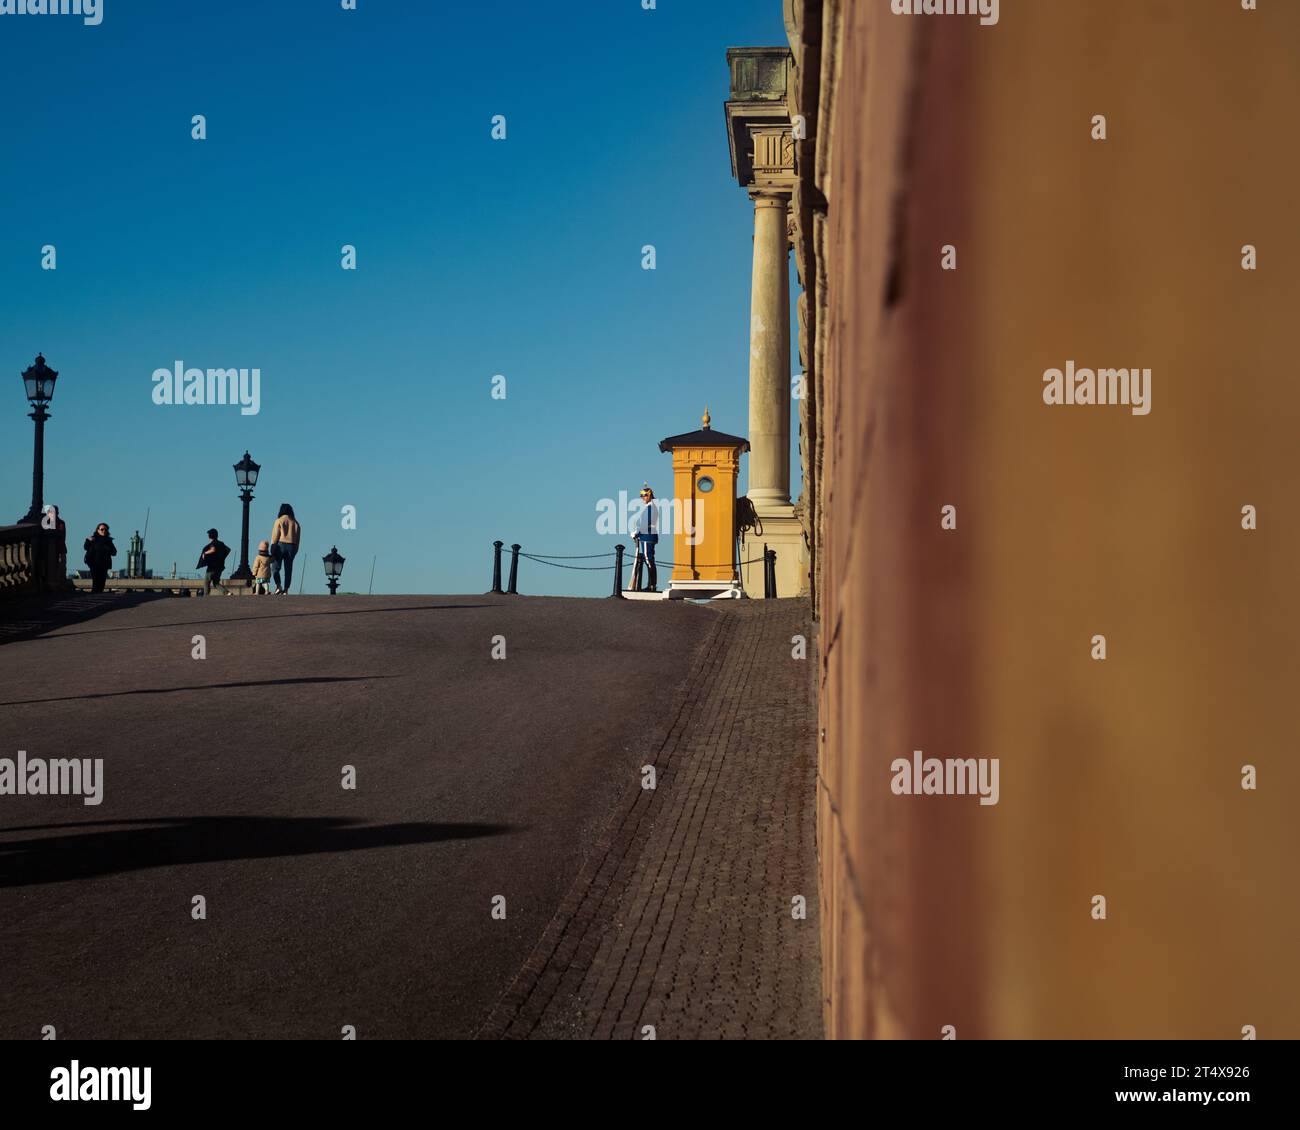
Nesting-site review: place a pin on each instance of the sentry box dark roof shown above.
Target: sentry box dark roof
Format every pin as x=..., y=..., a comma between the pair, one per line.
x=705, y=437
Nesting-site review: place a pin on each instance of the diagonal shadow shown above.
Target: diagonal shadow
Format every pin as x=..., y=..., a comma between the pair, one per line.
x=26, y=617
x=119, y=846
x=39, y=629
x=205, y=687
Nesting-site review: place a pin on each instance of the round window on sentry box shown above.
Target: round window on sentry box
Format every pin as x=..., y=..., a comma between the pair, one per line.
x=705, y=484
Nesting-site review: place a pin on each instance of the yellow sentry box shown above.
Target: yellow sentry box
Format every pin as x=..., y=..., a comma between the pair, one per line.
x=705, y=467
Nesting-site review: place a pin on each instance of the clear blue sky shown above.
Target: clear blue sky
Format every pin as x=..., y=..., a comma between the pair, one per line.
x=475, y=257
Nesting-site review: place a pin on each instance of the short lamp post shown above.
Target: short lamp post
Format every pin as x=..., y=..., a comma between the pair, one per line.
x=246, y=479
x=333, y=569
x=38, y=382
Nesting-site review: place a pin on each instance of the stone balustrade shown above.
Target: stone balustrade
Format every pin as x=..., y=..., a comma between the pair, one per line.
x=29, y=561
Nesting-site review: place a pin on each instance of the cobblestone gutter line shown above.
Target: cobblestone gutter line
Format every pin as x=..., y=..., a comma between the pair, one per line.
x=682, y=919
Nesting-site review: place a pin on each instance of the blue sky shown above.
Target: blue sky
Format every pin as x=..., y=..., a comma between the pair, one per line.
x=475, y=257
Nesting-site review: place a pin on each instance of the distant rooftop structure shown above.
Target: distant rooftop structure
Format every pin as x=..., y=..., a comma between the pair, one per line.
x=135, y=558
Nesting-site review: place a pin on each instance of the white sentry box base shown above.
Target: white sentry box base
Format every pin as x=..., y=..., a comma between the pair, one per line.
x=705, y=590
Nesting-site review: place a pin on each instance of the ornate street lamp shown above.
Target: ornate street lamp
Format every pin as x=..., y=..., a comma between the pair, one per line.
x=246, y=479
x=38, y=382
x=333, y=569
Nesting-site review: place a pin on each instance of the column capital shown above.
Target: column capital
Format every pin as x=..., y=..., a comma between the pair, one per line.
x=773, y=153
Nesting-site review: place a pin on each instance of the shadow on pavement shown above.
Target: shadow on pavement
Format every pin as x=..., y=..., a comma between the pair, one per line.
x=117, y=846
x=34, y=628
x=24, y=618
x=310, y=679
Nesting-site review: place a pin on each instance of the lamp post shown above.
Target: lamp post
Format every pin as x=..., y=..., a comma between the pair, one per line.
x=38, y=381
x=246, y=479
x=333, y=569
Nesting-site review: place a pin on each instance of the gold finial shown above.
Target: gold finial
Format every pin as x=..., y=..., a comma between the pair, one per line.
x=707, y=418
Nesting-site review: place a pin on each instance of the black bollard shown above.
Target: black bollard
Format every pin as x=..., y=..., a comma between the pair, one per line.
x=496, y=565
x=618, y=572
x=514, y=569
x=769, y=573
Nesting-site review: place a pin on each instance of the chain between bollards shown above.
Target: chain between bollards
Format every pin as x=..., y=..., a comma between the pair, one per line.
x=768, y=559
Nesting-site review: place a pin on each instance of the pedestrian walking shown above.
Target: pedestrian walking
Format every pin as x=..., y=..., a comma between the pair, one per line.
x=213, y=560
x=100, y=552
x=286, y=536
x=645, y=532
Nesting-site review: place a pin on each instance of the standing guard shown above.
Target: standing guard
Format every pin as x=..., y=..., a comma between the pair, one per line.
x=646, y=534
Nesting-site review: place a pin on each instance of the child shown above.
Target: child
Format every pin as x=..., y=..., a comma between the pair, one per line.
x=262, y=569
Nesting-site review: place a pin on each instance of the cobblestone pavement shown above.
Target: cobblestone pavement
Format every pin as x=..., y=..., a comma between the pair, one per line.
x=682, y=918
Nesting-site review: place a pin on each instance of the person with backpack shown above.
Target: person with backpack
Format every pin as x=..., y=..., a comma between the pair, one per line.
x=213, y=559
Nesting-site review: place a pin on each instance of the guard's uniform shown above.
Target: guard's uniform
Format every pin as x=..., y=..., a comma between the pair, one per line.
x=646, y=533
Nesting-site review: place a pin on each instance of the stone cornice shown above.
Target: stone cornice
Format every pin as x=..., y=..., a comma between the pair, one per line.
x=758, y=115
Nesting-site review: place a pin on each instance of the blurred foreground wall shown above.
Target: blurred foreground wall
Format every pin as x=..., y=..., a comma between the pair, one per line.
x=1119, y=777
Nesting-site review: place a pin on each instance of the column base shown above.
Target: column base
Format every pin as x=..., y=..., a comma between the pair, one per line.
x=783, y=532
x=769, y=501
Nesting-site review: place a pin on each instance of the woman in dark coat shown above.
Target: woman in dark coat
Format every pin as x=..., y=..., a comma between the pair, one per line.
x=100, y=552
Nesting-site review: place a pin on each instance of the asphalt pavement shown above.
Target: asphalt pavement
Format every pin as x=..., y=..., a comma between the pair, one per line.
x=477, y=779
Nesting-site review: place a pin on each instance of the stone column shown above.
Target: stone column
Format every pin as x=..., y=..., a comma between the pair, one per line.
x=769, y=354
x=760, y=135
